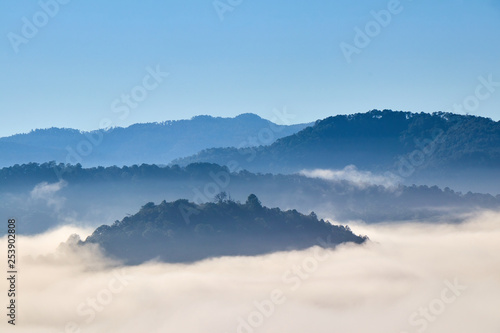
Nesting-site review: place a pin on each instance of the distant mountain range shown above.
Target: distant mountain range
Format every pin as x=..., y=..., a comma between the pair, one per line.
x=183, y=231
x=441, y=148
x=449, y=150
x=154, y=143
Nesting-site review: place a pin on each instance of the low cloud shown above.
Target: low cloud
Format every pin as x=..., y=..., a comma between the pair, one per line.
x=48, y=193
x=410, y=278
x=351, y=174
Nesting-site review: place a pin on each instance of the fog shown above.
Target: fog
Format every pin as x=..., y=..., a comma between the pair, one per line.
x=409, y=278
x=48, y=193
x=92, y=197
x=356, y=177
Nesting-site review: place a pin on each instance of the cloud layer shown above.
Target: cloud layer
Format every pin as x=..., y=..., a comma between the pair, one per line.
x=409, y=278
x=351, y=174
x=48, y=193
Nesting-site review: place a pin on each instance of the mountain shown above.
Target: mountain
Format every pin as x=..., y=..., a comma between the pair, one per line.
x=183, y=231
x=140, y=143
x=47, y=195
x=447, y=149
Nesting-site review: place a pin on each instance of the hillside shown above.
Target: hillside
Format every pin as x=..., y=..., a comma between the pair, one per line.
x=35, y=195
x=140, y=143
x=440, y=148
x=182, y=231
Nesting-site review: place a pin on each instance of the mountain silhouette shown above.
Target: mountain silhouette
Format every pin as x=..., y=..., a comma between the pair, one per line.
x=439, y=148
x=155, y=143
x=183, y=231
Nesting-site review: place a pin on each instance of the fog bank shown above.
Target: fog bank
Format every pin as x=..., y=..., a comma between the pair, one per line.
x=409, y=278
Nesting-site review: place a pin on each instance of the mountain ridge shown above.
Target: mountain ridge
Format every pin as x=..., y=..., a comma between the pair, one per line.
x=418, y=147
x=35, y=194
x=154, y=143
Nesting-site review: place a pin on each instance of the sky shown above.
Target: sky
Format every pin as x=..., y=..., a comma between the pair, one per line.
x=92, y=64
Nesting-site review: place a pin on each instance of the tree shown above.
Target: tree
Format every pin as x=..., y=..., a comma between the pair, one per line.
x=149, y=205
x=253, y=202
x=221, y=197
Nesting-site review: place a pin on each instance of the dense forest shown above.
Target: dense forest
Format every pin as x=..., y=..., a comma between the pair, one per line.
x=449, y=150
x=183, y=231
x=50, y=194
x=438, y=148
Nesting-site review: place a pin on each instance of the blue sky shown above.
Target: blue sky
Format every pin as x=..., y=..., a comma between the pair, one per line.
x=262, y=56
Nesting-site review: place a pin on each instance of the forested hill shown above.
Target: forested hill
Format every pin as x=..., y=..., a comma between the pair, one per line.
x=401, y=142
x=182, y=231
x=157, y=143
x=34, y=194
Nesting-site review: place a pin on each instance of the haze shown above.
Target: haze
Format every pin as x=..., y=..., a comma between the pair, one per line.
x=387, y=282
